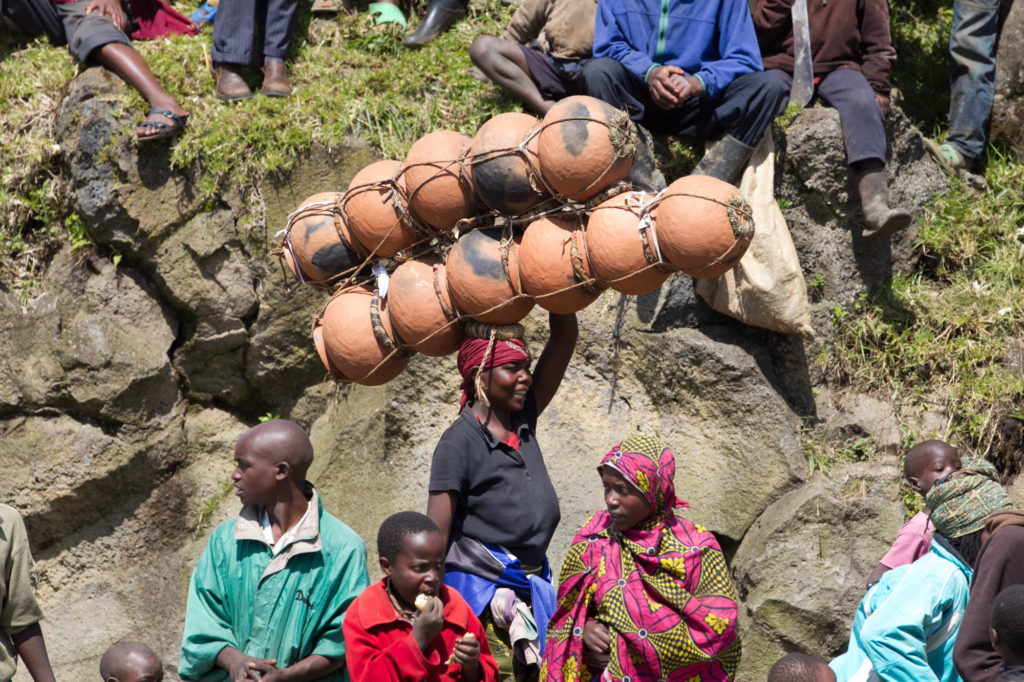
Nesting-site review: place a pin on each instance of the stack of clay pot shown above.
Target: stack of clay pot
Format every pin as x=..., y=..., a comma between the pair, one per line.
x=526, y=212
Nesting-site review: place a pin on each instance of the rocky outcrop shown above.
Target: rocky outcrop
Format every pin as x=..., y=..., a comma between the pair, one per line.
x=802, y=568
x=1008, y=106
x=823, y=210
x=132, y=368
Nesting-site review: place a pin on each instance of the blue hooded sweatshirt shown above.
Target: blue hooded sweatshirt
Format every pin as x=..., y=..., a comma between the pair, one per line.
x=711, y=39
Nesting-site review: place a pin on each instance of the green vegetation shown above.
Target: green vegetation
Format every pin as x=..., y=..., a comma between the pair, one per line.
x=209, y=507
x=950, y=334
x=822, y=456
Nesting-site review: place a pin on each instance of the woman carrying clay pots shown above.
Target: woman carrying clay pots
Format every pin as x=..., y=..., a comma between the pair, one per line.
x=490, y=493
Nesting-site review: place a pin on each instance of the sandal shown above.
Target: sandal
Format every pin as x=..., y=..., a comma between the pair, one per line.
x=326, y=7
x=386, y=13
x=163, y=130
x=204, y=15
x=948, y=158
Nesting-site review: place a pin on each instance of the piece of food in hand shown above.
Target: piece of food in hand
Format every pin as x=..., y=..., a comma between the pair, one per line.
x=451, y=659
x=421, y=601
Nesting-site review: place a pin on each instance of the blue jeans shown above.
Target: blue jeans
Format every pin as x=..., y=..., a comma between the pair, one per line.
x=973, y=79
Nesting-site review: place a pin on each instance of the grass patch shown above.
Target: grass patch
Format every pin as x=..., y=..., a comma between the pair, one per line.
x=951, y=333
x=823, y=456
x=350, y=80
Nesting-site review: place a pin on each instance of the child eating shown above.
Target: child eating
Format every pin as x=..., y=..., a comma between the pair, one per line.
x=410, y=626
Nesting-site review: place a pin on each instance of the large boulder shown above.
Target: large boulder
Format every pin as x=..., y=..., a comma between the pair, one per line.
x=1008, y=105
x=93, y=340
x=803, y=566
x=245, y=328
x=822, y=209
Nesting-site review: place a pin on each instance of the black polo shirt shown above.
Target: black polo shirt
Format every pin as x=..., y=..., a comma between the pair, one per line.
x=505, y=496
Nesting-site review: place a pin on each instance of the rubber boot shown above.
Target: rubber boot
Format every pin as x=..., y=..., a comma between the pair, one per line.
x=441, y=15
x=879, y=219
x=724, y=159
x=645, y=174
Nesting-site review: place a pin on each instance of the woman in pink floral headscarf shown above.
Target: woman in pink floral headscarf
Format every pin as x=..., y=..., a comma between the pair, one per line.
x=643, y=594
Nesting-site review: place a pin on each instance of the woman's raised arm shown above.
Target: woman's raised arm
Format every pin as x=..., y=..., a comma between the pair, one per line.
x=554, y=359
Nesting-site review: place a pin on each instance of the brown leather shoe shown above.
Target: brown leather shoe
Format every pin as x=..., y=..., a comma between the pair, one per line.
x=275, y=79
x=231, y=87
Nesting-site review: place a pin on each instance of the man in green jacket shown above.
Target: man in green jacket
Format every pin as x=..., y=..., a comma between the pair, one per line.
x=268, y=596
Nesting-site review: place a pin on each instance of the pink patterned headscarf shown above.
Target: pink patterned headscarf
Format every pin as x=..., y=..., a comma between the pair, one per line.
x=662, y=588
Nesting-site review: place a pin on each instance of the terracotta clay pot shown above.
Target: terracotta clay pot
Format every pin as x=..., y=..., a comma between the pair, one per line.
x=703, y=225
x=545, y=263
x=321, y=351
x=616, y=246
x=320, y=251
x=581, y=158
x=350, y=343
x=478, y=281
x=500, y=174
x=417, y=301
x=438, y=194
x=369, y=205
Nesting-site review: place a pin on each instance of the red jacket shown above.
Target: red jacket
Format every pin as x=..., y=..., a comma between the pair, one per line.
x=845, y=34
x=379, y=646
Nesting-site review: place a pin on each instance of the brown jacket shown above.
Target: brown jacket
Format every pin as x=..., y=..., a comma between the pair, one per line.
x=845, y=34
x=562, y=28
x=999, y=565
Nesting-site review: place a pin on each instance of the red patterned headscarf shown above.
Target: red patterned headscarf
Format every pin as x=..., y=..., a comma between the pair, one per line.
x=662, y=588
x=481, y=354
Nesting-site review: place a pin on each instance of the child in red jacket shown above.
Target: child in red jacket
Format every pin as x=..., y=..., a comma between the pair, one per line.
x=410, y=626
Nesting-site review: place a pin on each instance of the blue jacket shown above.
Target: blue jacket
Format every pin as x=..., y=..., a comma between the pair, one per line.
x=906, y=625
x=711, y=39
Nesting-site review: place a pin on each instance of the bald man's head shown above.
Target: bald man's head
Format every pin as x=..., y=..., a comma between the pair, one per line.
x=131, y=662
x=280, y=440
x=928, y=462
x=800, y=668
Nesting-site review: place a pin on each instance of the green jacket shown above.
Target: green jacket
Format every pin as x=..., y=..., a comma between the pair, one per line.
x=284, y=607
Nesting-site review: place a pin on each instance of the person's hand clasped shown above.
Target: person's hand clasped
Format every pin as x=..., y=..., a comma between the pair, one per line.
x=242, y=668
x=265, y=671
x=427, y=624
x=111, y=9
x=597, y=640
x=670, y=86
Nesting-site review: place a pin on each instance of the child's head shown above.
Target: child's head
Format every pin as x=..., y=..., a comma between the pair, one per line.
x=268, y=456
x=131, y=662
x=637, y=476
x=928, y=462
x=800, y=668
x=411, y=555
x=1007, y=631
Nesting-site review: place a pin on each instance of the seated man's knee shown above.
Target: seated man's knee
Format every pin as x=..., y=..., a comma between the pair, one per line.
x=602, y=70
x=481, y=47
x=774, y=89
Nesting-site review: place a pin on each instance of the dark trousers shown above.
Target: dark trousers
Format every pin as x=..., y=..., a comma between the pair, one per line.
x=744, y=109
x=238, y=22
x=65, y=22
x=859, y=114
